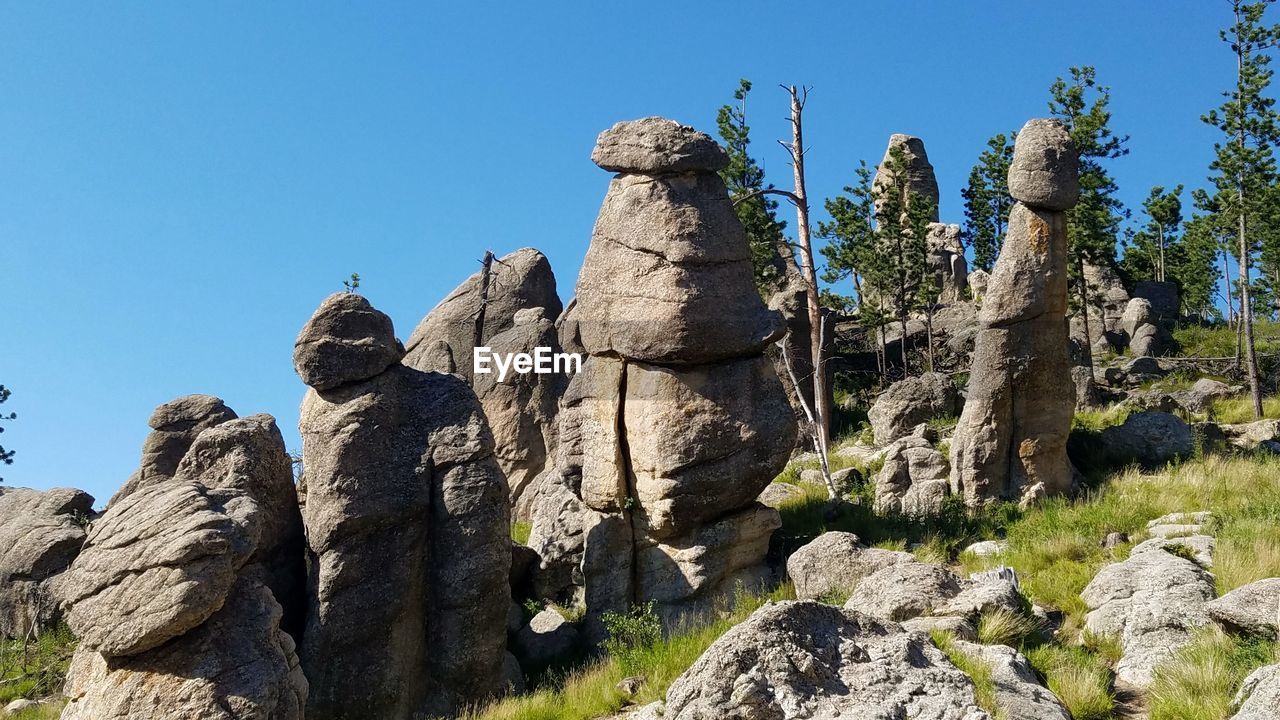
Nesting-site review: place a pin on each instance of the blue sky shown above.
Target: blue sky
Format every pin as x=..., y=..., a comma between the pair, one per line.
x=182, y=183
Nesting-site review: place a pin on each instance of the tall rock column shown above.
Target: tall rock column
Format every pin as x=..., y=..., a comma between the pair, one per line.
x=678, y=420
x=1011, y=441
x=407, y=526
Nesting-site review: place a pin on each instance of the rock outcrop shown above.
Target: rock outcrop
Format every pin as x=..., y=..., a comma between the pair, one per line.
x=510, y=306
x=1252, y=609
x=1259, y=695
x=1011, y=440
x=804, y=659
x=40, y=535
x=186, y=588
x=835, y=562
x=407, y=525
x=678, y=420
x=1150, y=439
x=920, y=178
x=914, y=478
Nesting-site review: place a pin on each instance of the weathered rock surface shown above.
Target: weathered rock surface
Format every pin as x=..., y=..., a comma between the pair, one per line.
x=174, y=425
x=1148, y=438
x=947, y=262
x=1010, y=442
x=656, y=145
x=1252, y=609
x=775, y=495
x=522, y=408
x=1201, y=396
x=345, y=341
x=904, y=590
x=920, y=177
x=400, y=466
x=548, y=637
x=237, y=665
x=808, y=660
x=1259, y=695
x=1045, y=168
x=1018, y=692
x=678, y=420
x=1153, y=603
x=907, y=403
x=835, y=562
x=1201, y=547
x=158, y=563
x=913, y=479
x=40, y=535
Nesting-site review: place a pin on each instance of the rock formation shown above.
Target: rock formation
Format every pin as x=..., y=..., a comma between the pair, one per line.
x=808, y=660
x=1011, y=439
x=907, y=403
x=512, y=310
x=678, y=420
x=835, y=562
x=40, y=534
x=920, y=177
x=174, y=426
x=186, y=587
x=407, y=526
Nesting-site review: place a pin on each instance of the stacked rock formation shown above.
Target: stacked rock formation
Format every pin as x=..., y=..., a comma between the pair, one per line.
x=511, y=309
x=407, y=526
x=187, y=587
x=1011, y=440
x=40, y=534
x=678, y=420
x=174, y=426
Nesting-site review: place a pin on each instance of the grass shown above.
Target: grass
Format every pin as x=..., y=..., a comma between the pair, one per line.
x=1239, y=409
x=590, y=692
x=520, y=532
x=1079, y=678
x=35, y=669
x=1201, y=680
x=43, y=711
x=1219, y=340
x=1002, y=627
x=984, y=688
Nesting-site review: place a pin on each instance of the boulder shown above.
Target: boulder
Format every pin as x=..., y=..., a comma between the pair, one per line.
x=174, y=426
x=960, y=627
x=401, y=465
x=1151, y=341
x=775, y=495
x=656, y=145
x=1044, y=172
x=904, y=590
x=808, y=660
x=1200, y=547
x=237, y=665
x=913, y=479
x=1010, y=442
x=835, y=562
x=1259, y=695
x=978, y=281
x=345, y=341
x=1153, y=602
x=947, y=262
x=1136, y=314
x=40, y=535
x=446, y=337
x=1018, y=691
x=1201, y=396
x=547, y=638
x=158, y=563
x=907, y=403
x=1150, y=439
x=1251, y=609
x=1087, y=393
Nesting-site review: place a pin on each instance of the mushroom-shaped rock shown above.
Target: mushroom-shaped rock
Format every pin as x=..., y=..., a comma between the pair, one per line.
x=346, y=340
x=157, y=564
x=656, y=145
x=1045, y=168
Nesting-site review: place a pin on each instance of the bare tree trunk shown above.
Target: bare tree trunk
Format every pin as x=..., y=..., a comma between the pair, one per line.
x=1246, y=314
x=486, y=267
x=928, y=330
x=815, y=430
x=1084, y=314
x=821, y=402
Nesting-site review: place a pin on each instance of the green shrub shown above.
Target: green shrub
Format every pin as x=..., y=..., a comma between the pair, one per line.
x=631, y=634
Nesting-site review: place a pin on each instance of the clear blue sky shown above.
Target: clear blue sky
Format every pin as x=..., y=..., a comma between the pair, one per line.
x=182, y=183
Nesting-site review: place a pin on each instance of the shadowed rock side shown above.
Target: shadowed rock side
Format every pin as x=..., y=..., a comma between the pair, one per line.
x=1010, y=443
x=407, y=524
x=678, y=419
x=514, y=312
x=40, y=535
x=181, y=593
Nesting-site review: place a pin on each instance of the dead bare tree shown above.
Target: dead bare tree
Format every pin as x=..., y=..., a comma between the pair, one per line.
x=819, y=442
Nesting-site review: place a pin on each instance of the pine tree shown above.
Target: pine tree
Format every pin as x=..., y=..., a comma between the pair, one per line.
x=1192, y=264
x=745, y=180
x=987, y=201
x=902, y=245
x=1093, y=225
x=1244, y=168
x=851, y=253
x=6, y=456
x=1164, y=217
